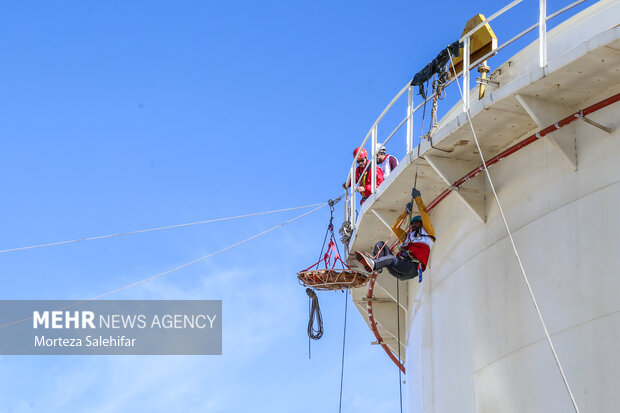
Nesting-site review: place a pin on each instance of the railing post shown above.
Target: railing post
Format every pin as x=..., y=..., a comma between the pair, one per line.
x=373, y=161
x=466, y=74
x=353, y=192
x=542, y=34
x=409, y=120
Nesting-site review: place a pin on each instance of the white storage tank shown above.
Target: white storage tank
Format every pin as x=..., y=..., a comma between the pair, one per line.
x=471, y=334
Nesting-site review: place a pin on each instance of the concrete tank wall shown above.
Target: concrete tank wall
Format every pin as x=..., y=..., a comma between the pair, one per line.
x=475, y=341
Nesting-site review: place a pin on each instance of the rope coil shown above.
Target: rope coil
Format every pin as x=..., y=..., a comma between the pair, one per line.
x=315, y=333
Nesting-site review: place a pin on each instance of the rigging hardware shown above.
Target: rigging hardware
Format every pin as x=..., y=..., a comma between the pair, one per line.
x=329, y=277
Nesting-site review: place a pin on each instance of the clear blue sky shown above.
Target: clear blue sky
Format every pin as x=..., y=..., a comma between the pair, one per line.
x=122, y=115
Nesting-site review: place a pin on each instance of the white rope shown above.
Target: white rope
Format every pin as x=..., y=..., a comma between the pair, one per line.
x=187, y=264
x=514, y=247
x=155, y=229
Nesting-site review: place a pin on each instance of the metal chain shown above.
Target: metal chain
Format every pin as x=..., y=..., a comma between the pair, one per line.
x=439, y=85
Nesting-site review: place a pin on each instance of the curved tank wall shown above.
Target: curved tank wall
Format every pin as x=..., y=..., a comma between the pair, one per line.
x=475, y=341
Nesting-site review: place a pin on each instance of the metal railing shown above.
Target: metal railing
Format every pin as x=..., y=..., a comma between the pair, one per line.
x=411, y=110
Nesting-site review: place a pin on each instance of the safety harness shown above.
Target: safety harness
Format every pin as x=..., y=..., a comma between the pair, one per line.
x=405, y=253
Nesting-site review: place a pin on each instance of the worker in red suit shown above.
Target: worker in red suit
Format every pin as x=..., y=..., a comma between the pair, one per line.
x=363, y=178
x=415, y=245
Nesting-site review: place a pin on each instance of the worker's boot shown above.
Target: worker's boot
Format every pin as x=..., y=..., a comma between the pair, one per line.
x=367, y=262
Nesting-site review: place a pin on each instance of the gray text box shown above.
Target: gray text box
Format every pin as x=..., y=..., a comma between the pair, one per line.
x=110, y=327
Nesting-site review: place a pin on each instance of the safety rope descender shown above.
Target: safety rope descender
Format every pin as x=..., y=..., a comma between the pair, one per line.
x=329, y=277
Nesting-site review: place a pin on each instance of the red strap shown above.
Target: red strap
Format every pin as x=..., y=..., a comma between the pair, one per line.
x=332, y=246
x=313, y=265
x=327, y=257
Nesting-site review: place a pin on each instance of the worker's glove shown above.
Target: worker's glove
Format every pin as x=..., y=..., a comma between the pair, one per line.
x=415, y=193
x=409, y=207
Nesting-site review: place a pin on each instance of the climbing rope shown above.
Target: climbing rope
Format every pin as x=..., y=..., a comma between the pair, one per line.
x=344, y=337
x=156, y=229
x=410, y=216
x=516, y=252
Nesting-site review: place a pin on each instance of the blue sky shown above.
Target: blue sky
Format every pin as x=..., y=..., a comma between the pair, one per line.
x=122, y=115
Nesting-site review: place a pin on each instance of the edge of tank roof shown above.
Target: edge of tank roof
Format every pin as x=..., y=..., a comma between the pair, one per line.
x=459, y=121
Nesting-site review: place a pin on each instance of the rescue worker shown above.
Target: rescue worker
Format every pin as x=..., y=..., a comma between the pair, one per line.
x=362, y=178
x=416, y=243
x=386, y=162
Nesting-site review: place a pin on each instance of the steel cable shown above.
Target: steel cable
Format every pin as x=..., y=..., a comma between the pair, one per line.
x=156, y=229
x=187, y=264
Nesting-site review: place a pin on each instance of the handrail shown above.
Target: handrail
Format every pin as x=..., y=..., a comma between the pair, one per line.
x=376, y=122
x=415, y=109
x=490, y=18
x=562, y=10
x=464, y=74
x=523, y=33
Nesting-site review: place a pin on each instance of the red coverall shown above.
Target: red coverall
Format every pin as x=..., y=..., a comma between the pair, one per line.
x=366, y=180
